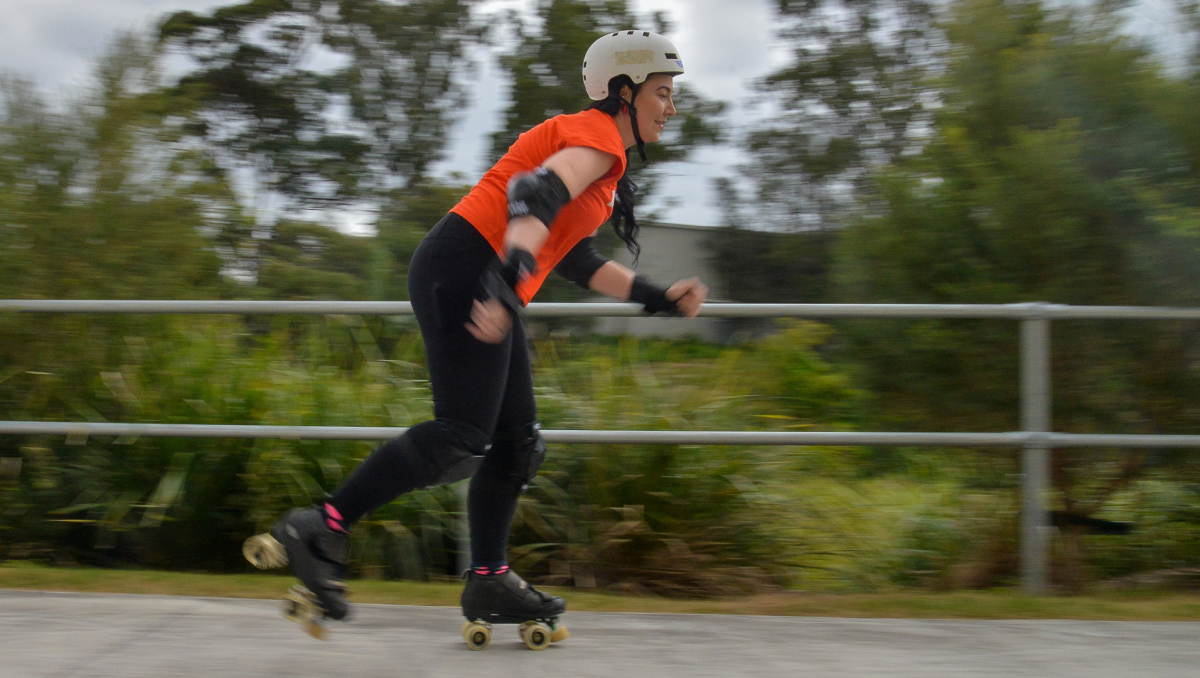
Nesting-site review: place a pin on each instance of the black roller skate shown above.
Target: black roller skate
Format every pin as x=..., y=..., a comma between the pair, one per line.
x=317, y=556
x=506, y=599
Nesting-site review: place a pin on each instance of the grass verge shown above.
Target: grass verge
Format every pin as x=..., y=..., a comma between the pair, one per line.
x=1136, y=605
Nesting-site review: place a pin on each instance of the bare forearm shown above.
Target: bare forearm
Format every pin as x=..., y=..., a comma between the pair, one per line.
x=526, y=233
x=683, y=298
x=612, y=279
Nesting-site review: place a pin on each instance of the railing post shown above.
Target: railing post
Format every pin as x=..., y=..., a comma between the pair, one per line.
x=464, y=528
x=1035, y=458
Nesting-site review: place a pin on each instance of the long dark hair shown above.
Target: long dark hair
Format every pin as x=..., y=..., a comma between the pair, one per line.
x=623, y=221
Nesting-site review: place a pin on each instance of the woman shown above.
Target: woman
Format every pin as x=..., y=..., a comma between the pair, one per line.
x=537, y=209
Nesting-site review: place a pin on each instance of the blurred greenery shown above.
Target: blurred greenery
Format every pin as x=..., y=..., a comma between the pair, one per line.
x=321, y=105
x=1019, y=152
x=993, y=151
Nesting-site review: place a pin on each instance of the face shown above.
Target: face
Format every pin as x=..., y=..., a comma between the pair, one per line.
x=654, y=105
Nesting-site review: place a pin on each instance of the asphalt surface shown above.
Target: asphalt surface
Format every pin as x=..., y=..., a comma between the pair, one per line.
x=64, y=634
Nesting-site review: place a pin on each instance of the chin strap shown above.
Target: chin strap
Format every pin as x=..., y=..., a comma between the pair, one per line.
x=637, y=133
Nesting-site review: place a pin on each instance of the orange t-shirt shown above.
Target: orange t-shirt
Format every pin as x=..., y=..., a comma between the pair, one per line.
x=486, y=206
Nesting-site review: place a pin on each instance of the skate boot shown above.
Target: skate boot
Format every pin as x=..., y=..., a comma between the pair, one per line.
x=507, y=599
x=317, y=555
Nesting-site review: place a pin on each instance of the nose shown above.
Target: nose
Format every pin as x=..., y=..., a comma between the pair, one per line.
x=670, y=107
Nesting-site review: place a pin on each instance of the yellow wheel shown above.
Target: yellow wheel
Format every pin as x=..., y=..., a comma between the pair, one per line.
x=300, y=606
x=264, y=552
x=536, y=635
x=315, y=629
x=559, y=634
x=478, y=636
x=465, y=628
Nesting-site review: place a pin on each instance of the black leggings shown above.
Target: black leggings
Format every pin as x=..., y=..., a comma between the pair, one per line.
x=480, y=390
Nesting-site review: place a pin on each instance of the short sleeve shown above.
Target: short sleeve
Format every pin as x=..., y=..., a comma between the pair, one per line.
x=598, y=131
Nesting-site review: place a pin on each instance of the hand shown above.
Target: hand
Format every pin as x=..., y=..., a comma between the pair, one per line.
x=688, y=295
x=490, y=321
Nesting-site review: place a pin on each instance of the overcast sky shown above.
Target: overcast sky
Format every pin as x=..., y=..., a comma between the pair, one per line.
x=725, y=44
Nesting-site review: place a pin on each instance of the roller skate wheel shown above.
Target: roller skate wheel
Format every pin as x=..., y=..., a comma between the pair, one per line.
x=297, y=605
x=300, y=606
x=536, y=635
x=315, y=629
x=264, y=552
x=559, y=633
x=478, y=636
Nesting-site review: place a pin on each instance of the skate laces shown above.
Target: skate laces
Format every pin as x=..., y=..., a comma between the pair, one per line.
x=490, y=570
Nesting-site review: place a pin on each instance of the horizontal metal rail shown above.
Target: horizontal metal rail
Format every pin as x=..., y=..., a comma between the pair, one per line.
x=799, y=438
x=1036, y=439
x=597, y=310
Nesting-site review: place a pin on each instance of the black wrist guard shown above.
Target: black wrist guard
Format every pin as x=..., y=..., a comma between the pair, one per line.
x=500, y=278
x=540, y=194
x=652, y=297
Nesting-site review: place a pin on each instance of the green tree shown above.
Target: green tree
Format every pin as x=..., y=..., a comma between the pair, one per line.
x=89, y=195
x=403, y=222
x=1055, y=173
x=768, y=267
x=97, y=201
x=315, y=105
x=852, y=97
x=100, y=190
x=303, y=260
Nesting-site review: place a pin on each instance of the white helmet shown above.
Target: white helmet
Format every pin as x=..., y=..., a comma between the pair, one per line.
x=633, y=53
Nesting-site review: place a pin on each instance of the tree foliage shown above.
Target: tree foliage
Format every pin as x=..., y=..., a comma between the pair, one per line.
x=94, y=203
x=306, y=105
x=325, y=101
x=852, y=97
x=1058, y=172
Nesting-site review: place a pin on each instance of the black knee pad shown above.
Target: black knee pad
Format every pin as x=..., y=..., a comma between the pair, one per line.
x=447, y=451
x=516, y=454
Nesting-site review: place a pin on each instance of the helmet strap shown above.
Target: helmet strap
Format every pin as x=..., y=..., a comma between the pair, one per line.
x=637, y=133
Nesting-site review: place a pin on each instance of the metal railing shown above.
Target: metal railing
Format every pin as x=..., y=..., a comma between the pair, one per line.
x=1035, y=437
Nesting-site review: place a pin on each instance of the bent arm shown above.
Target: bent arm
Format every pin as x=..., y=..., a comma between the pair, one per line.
x=683, y=298
x=578, y=167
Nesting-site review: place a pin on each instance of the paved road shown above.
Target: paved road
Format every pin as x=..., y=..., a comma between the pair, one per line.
x=57, y=635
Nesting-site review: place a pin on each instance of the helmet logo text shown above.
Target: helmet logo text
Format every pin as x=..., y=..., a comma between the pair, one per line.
x=635, y=56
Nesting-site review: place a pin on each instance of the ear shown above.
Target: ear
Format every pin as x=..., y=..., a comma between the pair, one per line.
x=626, y=93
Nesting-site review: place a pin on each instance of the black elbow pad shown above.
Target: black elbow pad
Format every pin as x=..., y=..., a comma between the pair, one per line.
x=540, y=194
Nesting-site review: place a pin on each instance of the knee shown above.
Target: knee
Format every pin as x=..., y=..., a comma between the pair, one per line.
x=517, y=453
x=449, y=450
